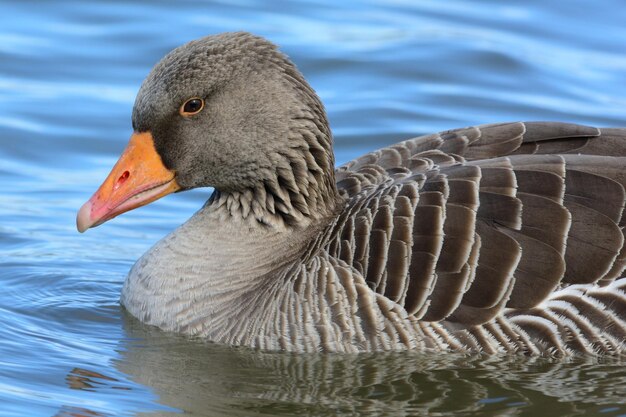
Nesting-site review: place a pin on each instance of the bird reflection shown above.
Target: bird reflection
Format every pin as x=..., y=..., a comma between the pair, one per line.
x=84, y=379
x=201, y=378
x=78, y=412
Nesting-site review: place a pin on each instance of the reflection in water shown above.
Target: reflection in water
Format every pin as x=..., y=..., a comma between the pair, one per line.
x=206, y=379
x=78, y=412
x=386, y=71
x=84, y=379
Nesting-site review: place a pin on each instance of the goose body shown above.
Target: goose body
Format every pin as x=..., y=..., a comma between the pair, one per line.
x=495, y=238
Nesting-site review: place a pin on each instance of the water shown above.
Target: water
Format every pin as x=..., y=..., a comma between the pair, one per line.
x=387, y=70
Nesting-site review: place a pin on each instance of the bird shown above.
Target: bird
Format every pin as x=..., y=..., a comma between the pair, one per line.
x=495, y=238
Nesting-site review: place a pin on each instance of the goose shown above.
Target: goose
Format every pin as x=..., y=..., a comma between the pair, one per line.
x=495, y=238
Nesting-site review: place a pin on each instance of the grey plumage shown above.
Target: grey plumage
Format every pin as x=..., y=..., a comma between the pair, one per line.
x=542, y=223
x=502, y=237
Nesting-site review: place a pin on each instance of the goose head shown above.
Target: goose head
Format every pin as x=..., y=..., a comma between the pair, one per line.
x=227, y=111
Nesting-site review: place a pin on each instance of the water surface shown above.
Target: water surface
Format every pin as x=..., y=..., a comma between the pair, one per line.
x=386, y=71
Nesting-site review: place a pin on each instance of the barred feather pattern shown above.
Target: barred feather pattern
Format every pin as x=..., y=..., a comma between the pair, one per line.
x=495, y=238
x=502, y=237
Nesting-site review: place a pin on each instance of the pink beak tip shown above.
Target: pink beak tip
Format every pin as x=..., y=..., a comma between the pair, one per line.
x=83, y=218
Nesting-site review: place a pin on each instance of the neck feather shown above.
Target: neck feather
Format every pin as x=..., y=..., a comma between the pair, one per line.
x=299, y=189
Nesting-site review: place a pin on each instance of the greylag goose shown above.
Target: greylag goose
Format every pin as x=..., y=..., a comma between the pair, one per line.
x=495, y=238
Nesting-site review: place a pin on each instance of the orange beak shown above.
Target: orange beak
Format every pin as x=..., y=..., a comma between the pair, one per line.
x=138, y=178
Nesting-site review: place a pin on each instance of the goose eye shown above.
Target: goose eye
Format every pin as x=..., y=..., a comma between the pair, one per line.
x=192, y=106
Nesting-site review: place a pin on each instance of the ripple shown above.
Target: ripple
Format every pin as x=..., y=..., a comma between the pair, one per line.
x=386, y=71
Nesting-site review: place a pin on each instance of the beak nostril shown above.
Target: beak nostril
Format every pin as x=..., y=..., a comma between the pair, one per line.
x=121, y=179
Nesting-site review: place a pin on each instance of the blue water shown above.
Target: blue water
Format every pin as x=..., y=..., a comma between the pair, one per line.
x=387, y=70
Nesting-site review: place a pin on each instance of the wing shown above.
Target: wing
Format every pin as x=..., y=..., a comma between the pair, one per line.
x=460, y=225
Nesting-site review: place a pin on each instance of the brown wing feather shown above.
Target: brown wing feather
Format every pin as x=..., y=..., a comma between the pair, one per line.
x=499, y=257
x=458, y=225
